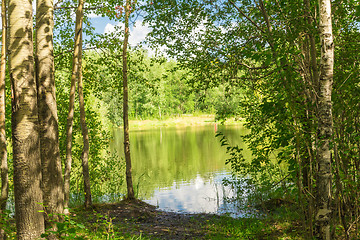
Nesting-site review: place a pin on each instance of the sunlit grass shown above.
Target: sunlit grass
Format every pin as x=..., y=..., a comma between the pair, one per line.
x=250, y=228
x=178, y=121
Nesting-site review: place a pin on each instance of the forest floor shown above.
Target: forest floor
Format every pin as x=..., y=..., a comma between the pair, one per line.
x=139, y=220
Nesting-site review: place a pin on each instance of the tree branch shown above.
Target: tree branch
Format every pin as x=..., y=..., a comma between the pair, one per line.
x=91, y=8
x=252, y=68
x=246, y=16
x=60, y=1
x=71, y=50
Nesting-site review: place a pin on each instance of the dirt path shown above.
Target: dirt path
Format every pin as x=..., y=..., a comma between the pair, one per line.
x=138, y=218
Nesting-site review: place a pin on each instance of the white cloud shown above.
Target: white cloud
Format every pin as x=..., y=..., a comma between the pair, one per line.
x=195, y=196
x=109, y=28
x=138, y=32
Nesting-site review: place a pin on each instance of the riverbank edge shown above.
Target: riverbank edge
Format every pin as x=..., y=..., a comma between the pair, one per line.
x=180, y=121
x=139, y=220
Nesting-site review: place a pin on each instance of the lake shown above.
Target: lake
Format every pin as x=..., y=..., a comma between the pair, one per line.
x=181, y=169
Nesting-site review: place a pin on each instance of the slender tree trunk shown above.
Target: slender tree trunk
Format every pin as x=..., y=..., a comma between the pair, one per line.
x=3, y=151
x=129, y=184
x=25, y=125
x=70, y=119
x=339, y=191
x=315, y=86
x=312, y=85
x=323, y=215
x=52, y=182
x=85, y=134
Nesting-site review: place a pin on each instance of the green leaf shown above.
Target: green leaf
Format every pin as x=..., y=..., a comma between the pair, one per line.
x=60, y=226
x=80, y=226
x=71, y=230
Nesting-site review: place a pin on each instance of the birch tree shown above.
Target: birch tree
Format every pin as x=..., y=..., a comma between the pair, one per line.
x=52, y=181
x=25, y=125
x=3, y=151
x=323, y=215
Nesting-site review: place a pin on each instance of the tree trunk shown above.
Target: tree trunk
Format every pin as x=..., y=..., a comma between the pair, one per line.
x=25, y=125
x=69, y=126
x=3, y=151
x=312, y=85
x=323, y=215
x=52, y=182
x=129, y=184
x=85, y=134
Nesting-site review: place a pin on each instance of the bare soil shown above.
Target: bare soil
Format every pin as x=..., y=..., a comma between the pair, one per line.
x=136, y=217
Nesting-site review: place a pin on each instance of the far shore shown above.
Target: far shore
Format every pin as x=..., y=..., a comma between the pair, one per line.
x=179, y=121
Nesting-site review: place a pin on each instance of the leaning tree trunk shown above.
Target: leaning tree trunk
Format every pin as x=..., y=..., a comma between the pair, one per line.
x=3, y=152
x=323, y=215
x=70, y=119
x=85, y=134
x=52, y=182
x=130, y=189
x=25, y=125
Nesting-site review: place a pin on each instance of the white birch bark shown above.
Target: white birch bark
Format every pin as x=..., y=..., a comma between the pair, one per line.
x=323, y=215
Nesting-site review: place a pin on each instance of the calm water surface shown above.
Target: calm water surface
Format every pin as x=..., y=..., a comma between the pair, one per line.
x=181, y=169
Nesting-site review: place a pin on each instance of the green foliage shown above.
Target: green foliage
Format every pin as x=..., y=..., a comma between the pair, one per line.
x=99, y=135
x=7, y=224
x=158, y=89
x=271, y=49
x=225, y=227
x=249, y=228
x=105, y=223
x=108, y=178
x=255, y=181
x=223, y=101
x=269, y=61
x=66, y=229
x=74, y=226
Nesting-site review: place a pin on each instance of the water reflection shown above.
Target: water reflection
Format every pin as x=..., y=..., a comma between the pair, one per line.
x=181, y=169
x=199, y=195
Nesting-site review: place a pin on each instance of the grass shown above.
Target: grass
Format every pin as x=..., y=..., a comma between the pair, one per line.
x=138, y=220
x=251, y=228
x=178, y=121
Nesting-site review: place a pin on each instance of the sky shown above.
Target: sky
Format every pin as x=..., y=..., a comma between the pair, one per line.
x=104, y=25
x=137, y=33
